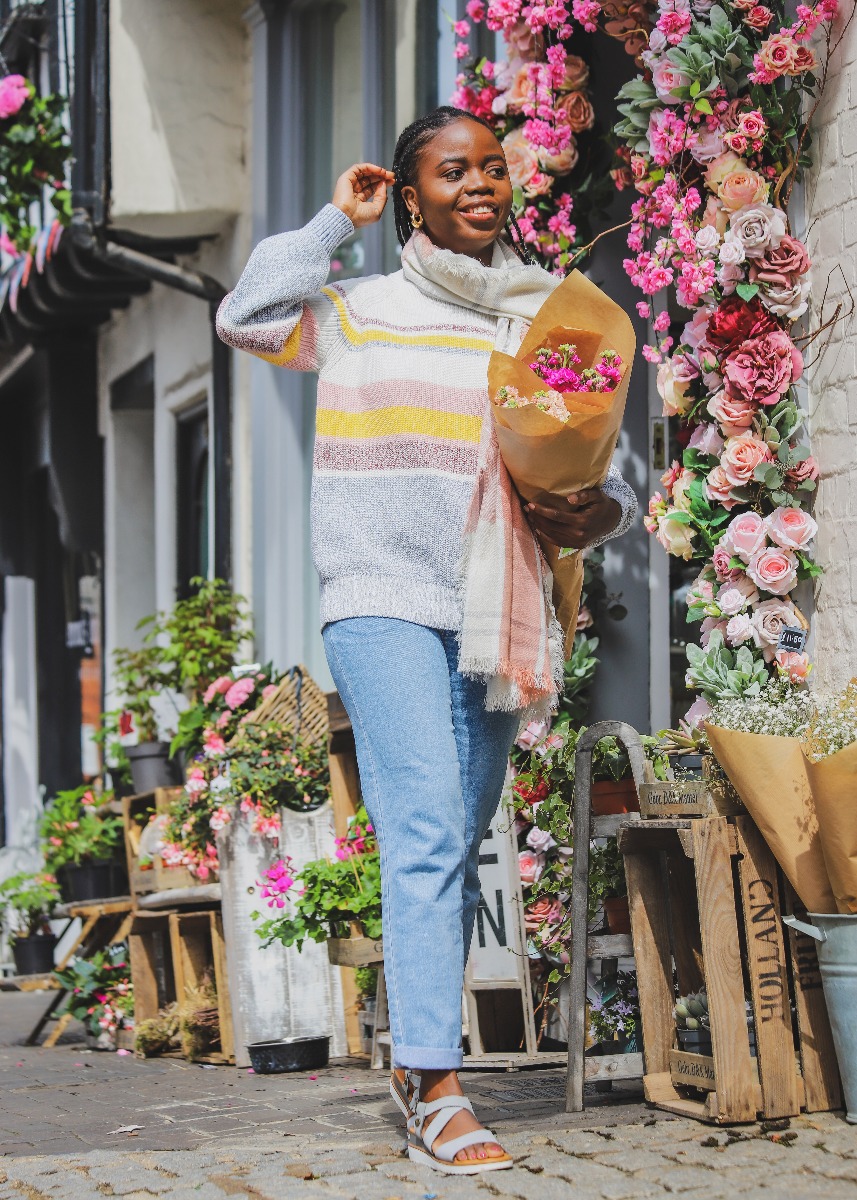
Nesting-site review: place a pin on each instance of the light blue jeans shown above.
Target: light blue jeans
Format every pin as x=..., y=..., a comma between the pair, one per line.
x=432, y=764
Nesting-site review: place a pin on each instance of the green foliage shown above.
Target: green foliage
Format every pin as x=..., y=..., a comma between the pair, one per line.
x=720, y=673
x=139, y=677
x=615, y=1014
x=606, y=874
x=77, y=828
x=34, y=151
x=335, y=892
x=26, y=901
x=200, y=637
x=100, y=989
x=366, y=979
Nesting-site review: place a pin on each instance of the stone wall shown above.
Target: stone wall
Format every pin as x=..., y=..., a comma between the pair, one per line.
x=831, y=217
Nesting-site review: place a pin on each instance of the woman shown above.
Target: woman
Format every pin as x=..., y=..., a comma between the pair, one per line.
x=402, y=362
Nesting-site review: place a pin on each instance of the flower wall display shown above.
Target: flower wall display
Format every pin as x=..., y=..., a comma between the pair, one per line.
x=716, y=127
x=34, y=149
x=539, y=103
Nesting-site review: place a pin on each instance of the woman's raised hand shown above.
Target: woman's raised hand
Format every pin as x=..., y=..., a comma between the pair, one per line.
x=361, y=192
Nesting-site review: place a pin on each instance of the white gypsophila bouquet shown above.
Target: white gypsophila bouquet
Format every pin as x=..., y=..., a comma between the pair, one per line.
x=833, y=725
x=780, y=708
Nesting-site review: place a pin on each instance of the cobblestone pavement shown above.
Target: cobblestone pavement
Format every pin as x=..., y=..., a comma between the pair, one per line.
x=336, y=1135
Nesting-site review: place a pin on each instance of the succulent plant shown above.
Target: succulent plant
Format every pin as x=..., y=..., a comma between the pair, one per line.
x=691, y=1012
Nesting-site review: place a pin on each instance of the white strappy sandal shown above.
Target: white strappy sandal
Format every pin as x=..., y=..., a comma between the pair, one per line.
x=428, y=1120
x=404, y=1091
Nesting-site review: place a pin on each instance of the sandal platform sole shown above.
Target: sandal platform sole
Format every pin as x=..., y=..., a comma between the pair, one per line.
x=421, y=1156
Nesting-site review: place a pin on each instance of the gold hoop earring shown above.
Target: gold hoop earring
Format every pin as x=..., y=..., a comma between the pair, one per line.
x=416, y=220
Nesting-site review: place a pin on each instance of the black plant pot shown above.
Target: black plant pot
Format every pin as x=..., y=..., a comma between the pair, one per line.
x=151, y=766
x=289, y=1054
x=34, y=955
x=695, y=1041
x=90, y=881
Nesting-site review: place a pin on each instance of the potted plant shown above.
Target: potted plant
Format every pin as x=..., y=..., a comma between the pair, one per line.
x=101, y=995
x=267, y=764
x=337, y=901
x=26, y=903
x=221, y=707
x=80, y=837
x=692, y=1024
x=614, y=1014
x=140, y=677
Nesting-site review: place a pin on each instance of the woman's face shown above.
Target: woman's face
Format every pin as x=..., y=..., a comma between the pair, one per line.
x=462, y=189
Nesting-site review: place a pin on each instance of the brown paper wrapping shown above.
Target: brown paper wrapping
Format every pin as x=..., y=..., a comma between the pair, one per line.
x=543, y=458
x=770, y=775
x=834, y=789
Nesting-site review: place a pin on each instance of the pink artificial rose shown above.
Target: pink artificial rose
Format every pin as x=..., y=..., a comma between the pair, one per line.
x=521, y=91
x=745, y=535
x=739, y=630
x=720, y=560
x=14, y=91
x=730, y=600
x=584, y=619
x=711, y=625
x=803, y=471
x=580, y=113
x=708, y=146
x=698, y=712
x=759, y=18
x=791, y=528
x=706, y=439
x=758, y=227
x=718, y=489
x=742, y=187
x=268, y=690
x=778, y=54
x=773, y=570
x=540, y=840
x=752, y=123
x=667, y=79
x=239, y=692
x=741, y=455
x=533, y=733
x=576, y=74
x=524, y=42
x=733, y=415
x=531, y=865
x=794, y=666
x=538, y=914
x=763, y=369
x=781, y=264
x=715, y=214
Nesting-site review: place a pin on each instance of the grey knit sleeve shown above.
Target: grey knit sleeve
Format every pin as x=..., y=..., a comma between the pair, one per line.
x=617, y=488
x=275, y=310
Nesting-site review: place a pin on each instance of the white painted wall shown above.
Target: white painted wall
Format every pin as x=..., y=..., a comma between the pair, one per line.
x=177, y=113
x=20, y=728
x=831, y=202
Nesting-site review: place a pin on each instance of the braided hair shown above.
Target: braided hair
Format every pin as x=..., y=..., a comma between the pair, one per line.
x=412, y=141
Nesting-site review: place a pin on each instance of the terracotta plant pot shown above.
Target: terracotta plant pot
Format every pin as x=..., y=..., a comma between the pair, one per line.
x=609, y=797
x=617, y=914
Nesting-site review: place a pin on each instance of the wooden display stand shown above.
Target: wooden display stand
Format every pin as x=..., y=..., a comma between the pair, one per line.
x=137, y=811
x=705, y=899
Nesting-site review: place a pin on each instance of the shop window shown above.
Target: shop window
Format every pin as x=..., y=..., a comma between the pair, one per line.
x=192, y=500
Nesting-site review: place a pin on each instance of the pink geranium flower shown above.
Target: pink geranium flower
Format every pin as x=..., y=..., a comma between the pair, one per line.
x=14, y=90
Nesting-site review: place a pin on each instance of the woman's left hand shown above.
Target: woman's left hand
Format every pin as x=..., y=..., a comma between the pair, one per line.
x=576, y=520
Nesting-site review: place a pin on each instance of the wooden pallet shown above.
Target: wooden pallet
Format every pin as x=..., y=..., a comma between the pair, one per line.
x=196, y=940
x=706, y=901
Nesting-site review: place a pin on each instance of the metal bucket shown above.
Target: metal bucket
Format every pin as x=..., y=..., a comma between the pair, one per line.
x=836, y=935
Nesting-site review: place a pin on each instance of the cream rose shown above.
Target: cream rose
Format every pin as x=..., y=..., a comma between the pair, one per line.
x=672, y=391
x=739, y=630
x=675, y=537
x=791, y=528
x=561, y=163
x=681, y=500
x=521, y=158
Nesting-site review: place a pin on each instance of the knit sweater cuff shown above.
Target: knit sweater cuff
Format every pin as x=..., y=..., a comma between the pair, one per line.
x=330, y=227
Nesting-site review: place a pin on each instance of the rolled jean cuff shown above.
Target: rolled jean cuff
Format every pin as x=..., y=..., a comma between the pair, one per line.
x=427, y=1058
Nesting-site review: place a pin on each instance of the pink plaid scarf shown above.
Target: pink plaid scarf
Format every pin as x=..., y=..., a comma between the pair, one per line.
x=510, y=637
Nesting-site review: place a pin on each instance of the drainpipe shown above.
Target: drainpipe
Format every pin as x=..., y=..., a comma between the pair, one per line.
x=204, y=287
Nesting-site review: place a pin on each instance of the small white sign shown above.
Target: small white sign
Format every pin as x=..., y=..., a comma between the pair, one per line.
x=496, y=950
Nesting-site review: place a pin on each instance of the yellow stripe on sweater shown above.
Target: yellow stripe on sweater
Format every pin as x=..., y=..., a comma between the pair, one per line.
x=289, y=352
x=363, y=337
x=398, y=419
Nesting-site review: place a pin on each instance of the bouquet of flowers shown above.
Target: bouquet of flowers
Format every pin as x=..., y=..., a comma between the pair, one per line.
x=559, y=439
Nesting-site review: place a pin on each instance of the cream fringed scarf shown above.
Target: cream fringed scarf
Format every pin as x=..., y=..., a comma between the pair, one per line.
x=509, y=637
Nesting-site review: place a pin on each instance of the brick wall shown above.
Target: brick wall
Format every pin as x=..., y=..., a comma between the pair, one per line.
x=831, y=215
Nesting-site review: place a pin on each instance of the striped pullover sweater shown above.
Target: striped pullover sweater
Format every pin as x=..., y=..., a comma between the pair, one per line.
x=401, y=399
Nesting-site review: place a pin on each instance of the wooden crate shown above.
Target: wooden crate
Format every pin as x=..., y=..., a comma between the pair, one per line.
x=151, y=959
x=196, y=940
x=706, y=902
x=137, y=811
